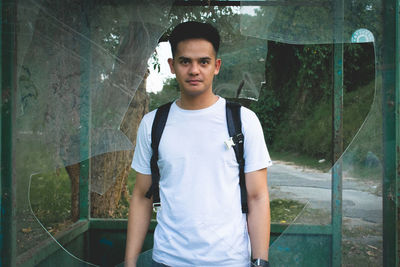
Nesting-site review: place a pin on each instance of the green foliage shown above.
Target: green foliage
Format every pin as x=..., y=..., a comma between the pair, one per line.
x=156, y=62
x=367, y=143
x=315, y=72
x=357, y=104
x=297, y=77
x=285, y=210
x=358, y=65
x=312, y=137
x=219, y=16
x=265, y=108
x=50, y=197
x=296, y=111
x=131, y=180
x=169, y=93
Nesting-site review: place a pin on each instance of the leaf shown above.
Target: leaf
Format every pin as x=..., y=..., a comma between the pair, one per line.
x=370, y=253
x=26, y=230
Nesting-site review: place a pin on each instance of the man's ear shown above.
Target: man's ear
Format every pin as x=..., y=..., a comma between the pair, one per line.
x=217, y=66
x=171, y=65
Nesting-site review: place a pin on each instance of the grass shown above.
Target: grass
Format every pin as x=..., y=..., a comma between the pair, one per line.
x=50, y=200
x=131, y=180
x=285, y=211
x=362, y=245
x=50, y=197
x=357, y=254
x=310, y=141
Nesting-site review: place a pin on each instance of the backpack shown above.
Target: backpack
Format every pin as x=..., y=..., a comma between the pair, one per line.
x=236, y=141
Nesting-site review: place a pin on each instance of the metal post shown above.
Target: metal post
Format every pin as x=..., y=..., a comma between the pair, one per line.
x=337, y=136
x=390, y=80
x=397, y=128
x=8, y=72
x=85, y=117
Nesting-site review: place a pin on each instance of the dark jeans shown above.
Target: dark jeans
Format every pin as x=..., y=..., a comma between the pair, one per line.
x=156, y=264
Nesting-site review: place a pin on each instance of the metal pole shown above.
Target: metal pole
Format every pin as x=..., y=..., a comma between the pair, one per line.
x=397, y=127
x=337, y=136
x=390, y=104
x=85, y=117
x=8, y=72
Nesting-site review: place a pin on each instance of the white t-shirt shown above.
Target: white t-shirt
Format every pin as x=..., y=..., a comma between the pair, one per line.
x=201, y=222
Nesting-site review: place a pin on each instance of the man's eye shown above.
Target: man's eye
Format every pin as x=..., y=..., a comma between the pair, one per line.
x=204, y=62
x=184, y=61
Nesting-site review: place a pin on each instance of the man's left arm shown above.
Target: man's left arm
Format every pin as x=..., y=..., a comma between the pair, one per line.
x=259, y=219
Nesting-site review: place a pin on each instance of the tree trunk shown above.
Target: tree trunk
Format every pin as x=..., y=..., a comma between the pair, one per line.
x=110, y=170
x=73, y=173
x=114, y=167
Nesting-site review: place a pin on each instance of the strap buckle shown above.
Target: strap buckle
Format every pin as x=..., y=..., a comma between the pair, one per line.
x=234, y=140
x=156, y=207
x=229, y=143
x=238, y=139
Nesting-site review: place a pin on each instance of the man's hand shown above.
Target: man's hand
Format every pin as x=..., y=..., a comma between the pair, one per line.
x=259, y=220
x=140, y=210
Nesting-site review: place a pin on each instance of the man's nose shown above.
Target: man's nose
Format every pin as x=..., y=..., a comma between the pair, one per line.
x=194, y=69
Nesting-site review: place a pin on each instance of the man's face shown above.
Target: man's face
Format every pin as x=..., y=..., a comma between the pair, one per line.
x=194, y=65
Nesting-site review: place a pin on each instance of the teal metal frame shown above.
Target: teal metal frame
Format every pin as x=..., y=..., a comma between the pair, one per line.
x=85, y=118
x=8, y=190
x=396, y=217
x=337, y=135
x=85, y=122
x=390, y=107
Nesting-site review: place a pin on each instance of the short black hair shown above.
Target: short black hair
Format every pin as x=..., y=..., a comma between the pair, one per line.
x=194, y=30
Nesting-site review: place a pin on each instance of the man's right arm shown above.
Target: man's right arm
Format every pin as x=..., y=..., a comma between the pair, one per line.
x=140, y=210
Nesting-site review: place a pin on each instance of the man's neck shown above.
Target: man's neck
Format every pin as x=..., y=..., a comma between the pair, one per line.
x=197, y=102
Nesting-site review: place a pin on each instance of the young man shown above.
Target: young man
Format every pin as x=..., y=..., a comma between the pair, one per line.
x=201, y=221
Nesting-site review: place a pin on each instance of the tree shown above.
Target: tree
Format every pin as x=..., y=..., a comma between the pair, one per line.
x=80, y=71
x=169, y=92
x=113, y=168
x=299, y=71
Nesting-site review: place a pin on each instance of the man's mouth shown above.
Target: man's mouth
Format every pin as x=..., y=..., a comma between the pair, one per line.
x=194, y=82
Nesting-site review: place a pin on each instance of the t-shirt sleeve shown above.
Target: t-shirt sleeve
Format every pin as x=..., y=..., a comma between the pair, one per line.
x=143, y=152
x=256, y=154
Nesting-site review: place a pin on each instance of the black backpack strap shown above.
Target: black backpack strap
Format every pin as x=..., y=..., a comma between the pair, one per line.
x=157, y=129
x=234, y=123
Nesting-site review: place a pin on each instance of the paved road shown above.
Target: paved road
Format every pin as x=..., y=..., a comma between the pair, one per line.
x=288, y=181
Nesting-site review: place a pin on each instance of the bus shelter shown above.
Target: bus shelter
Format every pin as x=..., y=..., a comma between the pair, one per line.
x=73, y=87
